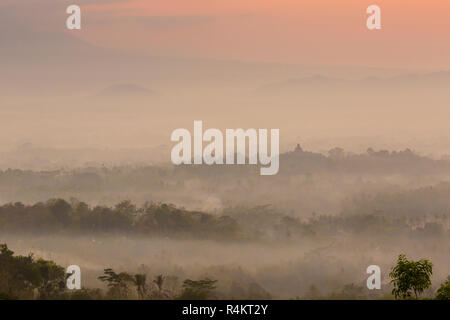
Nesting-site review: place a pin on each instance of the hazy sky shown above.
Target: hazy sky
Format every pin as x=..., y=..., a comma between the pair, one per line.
x=50, y=74
x=414, y=33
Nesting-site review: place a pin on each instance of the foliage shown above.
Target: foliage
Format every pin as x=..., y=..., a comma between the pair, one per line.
x=20, y=276
x=410, y=277
x=118, y=283
x=443, y=292
x=127, y=286
x=260, y=223
x=140, y=281
x=85, y=294
x=198, y=290
x=57, y=215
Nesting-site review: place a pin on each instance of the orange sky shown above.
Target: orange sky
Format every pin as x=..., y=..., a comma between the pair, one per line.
x=415, y=33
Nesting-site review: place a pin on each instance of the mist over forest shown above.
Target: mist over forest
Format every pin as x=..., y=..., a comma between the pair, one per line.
x=308, y=232
x=86, y=177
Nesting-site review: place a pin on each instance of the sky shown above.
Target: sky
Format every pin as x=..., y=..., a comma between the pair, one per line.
x=48, y=73
x=414, y=33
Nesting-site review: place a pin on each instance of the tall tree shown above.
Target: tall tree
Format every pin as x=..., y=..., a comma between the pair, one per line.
x=140, y=281
x=410, y=277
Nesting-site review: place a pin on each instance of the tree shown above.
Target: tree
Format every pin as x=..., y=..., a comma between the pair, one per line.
x=53, y=279
x=443, y=292
x=21, y=275
x=140, y=281
x=60, y=210
x=197, y=290
x=159, y=292
x=410, y=277
x=118, y=283
x=18, y=275
x=159, y=281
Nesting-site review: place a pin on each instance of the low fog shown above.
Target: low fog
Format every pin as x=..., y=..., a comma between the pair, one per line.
x=316, y=225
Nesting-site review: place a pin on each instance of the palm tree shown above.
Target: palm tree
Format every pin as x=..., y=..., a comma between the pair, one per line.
x=140, y=282
x=159, y=282
x=118, y=283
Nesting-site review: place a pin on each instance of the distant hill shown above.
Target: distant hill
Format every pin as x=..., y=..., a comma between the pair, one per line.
x=319, y=82
x=126, y=90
